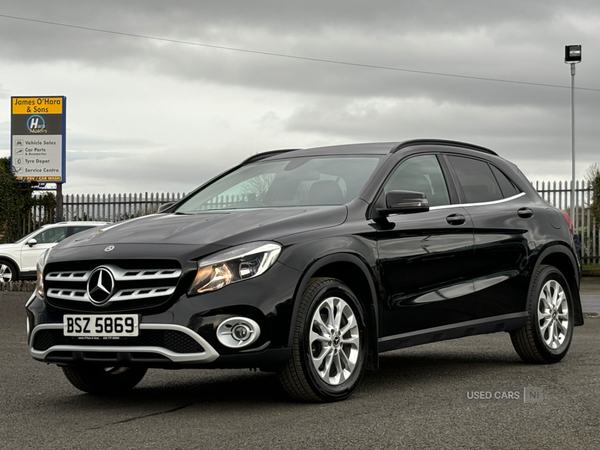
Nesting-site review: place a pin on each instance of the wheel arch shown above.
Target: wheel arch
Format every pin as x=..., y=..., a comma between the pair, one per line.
x=9, y=259
x=564, y=260
x=356, y=274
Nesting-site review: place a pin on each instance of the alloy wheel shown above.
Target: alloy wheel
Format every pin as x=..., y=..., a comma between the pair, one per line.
x=6, y=274
x=334, y=341
x=553, y=314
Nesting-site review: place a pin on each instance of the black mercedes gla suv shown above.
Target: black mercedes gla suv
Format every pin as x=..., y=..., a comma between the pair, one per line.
x=310, y=263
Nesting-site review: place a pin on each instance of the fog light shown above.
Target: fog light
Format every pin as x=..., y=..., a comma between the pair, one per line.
x=241, y=332
x=238, y=332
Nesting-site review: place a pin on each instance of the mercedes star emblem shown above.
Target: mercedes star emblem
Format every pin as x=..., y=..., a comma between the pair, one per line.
x=100, y=285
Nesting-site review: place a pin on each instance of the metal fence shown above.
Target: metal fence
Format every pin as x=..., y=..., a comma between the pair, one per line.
x=38, y=215
x=559, y=194
x=117, y=207
x=114, y=207
x=110, y=207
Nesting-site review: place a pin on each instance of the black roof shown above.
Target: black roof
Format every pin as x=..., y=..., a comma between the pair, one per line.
x=372, y=148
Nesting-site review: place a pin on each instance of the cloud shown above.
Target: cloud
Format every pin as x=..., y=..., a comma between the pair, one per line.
x=473, y=38
x=154, y=114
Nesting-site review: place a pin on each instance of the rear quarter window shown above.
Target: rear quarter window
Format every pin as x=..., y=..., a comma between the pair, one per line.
x=506, y=185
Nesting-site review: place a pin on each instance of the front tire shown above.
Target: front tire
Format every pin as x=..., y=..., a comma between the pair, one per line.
x=329, y=345
x=547, y=335
x=8, y=272
x=104, y=380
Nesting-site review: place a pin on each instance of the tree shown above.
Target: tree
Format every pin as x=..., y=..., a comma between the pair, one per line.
x=256, y=188
x=15, y=203
x=592, y=175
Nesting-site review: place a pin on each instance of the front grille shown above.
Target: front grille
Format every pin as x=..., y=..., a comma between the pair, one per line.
x=175, y=341
x=136, y=285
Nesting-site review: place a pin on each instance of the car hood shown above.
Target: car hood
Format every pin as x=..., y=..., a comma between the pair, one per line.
x=8, y=247
x=223, y=228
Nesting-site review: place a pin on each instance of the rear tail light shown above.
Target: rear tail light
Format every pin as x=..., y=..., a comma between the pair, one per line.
x=569, y=221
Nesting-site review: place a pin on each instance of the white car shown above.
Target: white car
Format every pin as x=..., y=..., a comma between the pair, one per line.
x=17, y=261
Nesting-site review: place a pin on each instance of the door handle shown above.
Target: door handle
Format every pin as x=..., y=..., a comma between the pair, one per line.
x=456, y=219
x=525, y=213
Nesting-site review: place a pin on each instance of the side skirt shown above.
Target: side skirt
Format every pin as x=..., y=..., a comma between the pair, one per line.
x=507, y=322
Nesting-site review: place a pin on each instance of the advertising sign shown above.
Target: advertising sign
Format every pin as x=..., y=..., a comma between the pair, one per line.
x=38, y=151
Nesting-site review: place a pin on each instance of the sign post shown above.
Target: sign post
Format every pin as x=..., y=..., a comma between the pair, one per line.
x=38, y=144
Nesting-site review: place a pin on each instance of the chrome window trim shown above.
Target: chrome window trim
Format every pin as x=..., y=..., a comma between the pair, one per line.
x=209, y=354
x=464, y=205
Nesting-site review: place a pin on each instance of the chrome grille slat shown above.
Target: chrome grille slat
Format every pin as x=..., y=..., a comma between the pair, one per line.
x=78, y=275
x=69, y=294
x=138, y=294
x=118, y=273
x=77, y=295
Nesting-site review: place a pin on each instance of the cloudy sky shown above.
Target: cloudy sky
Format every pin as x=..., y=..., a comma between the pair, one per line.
x=163, y=95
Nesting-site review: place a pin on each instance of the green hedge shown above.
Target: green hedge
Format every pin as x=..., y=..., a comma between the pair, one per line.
x=16, y=201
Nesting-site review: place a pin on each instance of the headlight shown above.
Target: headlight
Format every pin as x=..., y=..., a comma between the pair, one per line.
x=233, y=265
x=39, y=266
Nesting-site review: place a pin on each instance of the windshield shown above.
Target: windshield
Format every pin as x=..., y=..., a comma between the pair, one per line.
x=308, y=181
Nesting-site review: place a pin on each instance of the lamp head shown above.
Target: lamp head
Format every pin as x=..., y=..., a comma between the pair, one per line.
x=572, y=54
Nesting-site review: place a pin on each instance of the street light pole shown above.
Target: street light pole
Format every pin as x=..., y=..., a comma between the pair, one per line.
x=572, y=57
x=572, y=141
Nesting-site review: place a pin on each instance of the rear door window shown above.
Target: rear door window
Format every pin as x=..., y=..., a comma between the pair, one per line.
x=476, y=179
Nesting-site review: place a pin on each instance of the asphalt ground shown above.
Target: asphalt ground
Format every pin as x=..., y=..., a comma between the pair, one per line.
x=590, y=294
x=432, y=396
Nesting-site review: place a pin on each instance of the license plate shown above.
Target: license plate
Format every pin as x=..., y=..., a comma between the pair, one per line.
x=114, y=325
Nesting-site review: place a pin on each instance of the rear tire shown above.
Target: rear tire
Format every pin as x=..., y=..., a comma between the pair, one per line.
x=8, y=272
x=329, y=345
x=104, y=380
x=547, y=335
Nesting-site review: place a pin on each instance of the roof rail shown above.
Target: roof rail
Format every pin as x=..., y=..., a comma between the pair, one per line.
x=264, y=155
x=442, y=142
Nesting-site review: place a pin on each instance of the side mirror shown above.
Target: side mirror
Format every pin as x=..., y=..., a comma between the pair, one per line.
x=164, y=207
x=31, y=242
x=404, y=202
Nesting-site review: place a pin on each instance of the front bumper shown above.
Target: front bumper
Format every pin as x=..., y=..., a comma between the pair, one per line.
x=48, y=344
x=183, y=333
